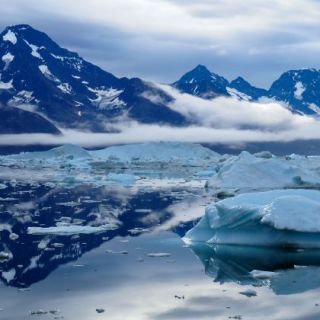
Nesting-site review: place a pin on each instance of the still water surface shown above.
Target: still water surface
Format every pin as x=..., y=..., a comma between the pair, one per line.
x=140, y=268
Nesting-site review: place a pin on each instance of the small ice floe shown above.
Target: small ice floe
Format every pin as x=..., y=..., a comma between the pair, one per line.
x=70, y=229
x=158, y=254
x=137, y=230
x=117, y=252
x=248, y=293
x=13, y=236
x=142, y=210
x=5, y=256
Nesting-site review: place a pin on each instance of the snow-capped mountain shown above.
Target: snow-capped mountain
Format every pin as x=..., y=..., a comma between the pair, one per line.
x=203, y=83
x=245, y=88
x=206, y=84
x=66, y=89
x=45, y=88
x=300, y=89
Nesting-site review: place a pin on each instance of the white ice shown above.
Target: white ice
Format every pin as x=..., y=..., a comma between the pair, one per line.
x=271, y=218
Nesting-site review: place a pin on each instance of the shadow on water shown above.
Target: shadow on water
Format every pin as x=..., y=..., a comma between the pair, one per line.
x=285, y=271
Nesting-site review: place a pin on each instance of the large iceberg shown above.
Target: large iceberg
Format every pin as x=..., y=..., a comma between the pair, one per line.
x=247, y=172
x=157, y=152
x=279, y=218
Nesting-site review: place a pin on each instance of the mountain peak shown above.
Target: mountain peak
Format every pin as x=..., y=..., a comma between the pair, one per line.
x=239, y=80
x=202, y=82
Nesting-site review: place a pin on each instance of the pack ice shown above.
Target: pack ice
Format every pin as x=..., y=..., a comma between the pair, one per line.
x=279, y=218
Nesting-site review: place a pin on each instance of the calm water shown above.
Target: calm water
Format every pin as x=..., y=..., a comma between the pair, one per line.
x=141, y=269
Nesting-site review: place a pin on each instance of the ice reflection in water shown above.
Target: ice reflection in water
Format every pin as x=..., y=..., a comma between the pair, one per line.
x=77, y=274
x=284, y=271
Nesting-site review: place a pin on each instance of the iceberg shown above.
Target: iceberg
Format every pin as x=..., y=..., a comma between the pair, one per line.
x=278, y=218
x=247, y=172
x=157, y=152
x=67, y=151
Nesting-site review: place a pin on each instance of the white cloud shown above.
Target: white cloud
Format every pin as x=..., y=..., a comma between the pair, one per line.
x=221, y=120
x=224, y=112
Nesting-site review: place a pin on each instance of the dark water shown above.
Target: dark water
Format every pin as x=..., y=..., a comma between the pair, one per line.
x=141, y=269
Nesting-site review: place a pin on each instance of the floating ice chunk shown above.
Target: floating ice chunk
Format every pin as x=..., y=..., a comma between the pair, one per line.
x=9, y=275
x=10, y=36
x=70, y=229
x=158, y=255
x=286, y=218
x=5, y=256
x=247, y=173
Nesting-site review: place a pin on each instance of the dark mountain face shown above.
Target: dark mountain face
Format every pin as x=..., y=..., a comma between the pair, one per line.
x=67, y=89
x=203, y=83
x=299, y=89
x=245, y=87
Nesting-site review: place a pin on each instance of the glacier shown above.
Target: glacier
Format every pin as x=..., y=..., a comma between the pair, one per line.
x=277, y=218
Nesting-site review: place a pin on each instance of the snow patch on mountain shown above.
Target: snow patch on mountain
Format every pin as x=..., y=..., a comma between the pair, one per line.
x=65, y=88
x=47, y=73
x=237, y=94
x=107, y=98
x=10, y=36
x=299, y=90
x=34, y=50
x=7, y=59
x=6, y=85
x=314, y=108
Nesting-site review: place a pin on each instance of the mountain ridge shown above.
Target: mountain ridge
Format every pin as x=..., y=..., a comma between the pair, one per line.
x=66, y=91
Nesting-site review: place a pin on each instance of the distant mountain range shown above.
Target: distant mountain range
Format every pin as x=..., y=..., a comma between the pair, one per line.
x=44, y=87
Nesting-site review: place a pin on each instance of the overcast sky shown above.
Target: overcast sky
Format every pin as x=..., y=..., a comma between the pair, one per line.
x=162, y=39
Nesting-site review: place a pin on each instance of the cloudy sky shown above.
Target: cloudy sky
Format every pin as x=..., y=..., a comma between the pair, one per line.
x=162, y=39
